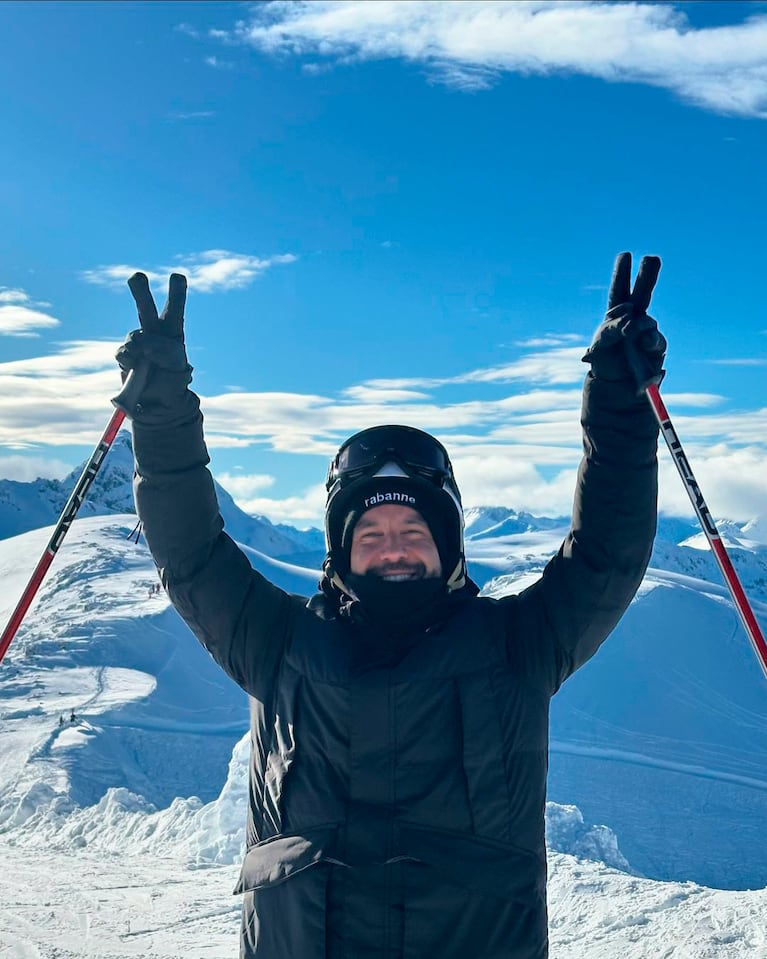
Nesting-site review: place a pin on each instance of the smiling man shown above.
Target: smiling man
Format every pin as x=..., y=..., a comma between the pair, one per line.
x=399, y=721
x=394, y=543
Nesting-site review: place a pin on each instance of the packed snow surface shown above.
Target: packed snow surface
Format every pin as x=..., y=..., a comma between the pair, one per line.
x=124, y=756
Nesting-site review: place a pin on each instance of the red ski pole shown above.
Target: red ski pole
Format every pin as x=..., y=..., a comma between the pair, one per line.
x=650, y=388
x=124, y=402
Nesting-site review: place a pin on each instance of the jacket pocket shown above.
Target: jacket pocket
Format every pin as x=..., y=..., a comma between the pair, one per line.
x=485, y=866
x=471, y=898
x=277, y=859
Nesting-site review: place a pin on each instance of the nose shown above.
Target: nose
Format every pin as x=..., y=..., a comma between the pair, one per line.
x=393, y=547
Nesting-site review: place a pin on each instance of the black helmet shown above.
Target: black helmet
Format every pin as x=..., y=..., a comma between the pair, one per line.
x=393, y=464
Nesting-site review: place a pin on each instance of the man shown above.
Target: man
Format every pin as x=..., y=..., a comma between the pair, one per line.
x=399, y=722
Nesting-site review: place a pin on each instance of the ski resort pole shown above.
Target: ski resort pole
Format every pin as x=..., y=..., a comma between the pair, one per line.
x=650, y=388
x=125, y=402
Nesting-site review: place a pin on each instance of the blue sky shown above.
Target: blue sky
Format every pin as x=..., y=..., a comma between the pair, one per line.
x=388, y=212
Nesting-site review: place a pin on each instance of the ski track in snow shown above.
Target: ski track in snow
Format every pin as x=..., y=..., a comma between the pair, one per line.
x=636, y=759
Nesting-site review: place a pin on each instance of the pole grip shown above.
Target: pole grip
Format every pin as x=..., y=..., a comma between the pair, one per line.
x=128, y=398
x=640, y=367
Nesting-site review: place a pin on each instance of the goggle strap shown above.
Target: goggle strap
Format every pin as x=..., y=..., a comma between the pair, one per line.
x=395, y=451
x=414, y=471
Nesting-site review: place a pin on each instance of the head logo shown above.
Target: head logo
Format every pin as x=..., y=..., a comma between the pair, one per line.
x=380, y=498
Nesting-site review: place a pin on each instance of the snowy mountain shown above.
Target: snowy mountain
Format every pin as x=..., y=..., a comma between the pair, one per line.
x=27, y=506
x=662, y=738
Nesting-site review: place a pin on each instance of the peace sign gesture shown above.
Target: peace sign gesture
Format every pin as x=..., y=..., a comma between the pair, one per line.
x=171, y=321
x=629, y=344
x=154, y=355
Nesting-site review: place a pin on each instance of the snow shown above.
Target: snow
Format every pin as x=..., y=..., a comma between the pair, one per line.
x=121, y=830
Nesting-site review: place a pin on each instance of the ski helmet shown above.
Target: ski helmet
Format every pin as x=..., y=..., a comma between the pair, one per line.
x=394, y=464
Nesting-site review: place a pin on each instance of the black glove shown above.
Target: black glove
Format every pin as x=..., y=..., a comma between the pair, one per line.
x=157, y=351
x=628, y=345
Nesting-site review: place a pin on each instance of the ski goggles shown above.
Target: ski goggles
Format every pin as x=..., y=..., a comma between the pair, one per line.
x=416, y=452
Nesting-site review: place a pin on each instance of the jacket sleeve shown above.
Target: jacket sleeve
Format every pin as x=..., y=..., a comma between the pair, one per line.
x=241, y=618
x=559, y=622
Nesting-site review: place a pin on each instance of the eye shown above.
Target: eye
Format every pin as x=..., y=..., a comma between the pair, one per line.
x=416, y=533
x=369, y=536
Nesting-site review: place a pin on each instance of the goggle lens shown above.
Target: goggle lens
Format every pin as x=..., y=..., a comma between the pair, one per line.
x=417, y=453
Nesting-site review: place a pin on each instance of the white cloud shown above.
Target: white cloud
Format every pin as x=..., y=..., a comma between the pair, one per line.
x=25, y=469
x=301, y=511
x=558, y=366
x=517, y=443
x=731, y=480
x=18, y=320
x=507, y=480
x=74, y=357
x=218, y=64
x=700, y=400
x=60, y=399
x=188, y=29
x=744, y=361
x=367, y=394
x=20, y=316
x=243, y=485
x=469, y=43
x=191, y=115
x=550, y=339
x=8, y=295
x=206, y=272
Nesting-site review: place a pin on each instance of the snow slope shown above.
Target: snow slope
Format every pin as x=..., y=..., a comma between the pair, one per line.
x=663, y=735
x=121, y=830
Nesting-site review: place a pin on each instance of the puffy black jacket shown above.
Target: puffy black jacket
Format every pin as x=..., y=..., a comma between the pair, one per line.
x=397, y=807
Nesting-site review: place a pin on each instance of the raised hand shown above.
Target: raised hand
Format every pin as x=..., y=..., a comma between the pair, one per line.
x=155, y=351
x=628, y=344
x=171, y=321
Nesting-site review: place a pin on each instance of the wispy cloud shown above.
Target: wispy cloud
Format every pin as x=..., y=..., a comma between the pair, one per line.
x=731, y=478
x=515, y=441
x=217, y=63
x=26, y=469
x=550, y=339
x=468, y=44
x=371, y=394
x=559, y=365
x=188, y=29
x=245, y=485
x=191, y=115
x=20, y=315
x=208, y=272
x=8, y=295
x=742, y=361
x=300, y=510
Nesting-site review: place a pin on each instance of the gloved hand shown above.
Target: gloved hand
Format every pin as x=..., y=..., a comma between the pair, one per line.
x=157, y=348
x=628, y=345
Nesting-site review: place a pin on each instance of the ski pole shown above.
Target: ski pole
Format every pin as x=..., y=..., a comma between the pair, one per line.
x=649, y=385
x=125, y=402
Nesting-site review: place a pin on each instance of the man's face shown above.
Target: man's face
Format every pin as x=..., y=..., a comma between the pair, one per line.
x=395, y=543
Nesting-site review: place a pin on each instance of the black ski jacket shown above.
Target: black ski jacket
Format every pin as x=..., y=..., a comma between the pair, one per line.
x=397, y=808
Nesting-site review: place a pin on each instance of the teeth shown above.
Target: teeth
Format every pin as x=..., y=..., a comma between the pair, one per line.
x=397, y=577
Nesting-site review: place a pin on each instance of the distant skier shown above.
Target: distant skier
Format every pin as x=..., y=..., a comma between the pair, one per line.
x=61, y=720
x=399, y=721
x=72, y=717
